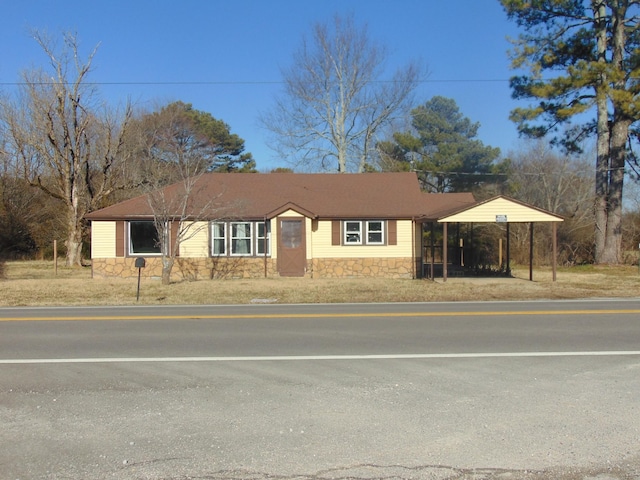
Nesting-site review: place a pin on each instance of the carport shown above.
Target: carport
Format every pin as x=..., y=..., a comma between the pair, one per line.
x=503, y=210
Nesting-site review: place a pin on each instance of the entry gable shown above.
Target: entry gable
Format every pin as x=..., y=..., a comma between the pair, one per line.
x=291, y=206
x=501, y=209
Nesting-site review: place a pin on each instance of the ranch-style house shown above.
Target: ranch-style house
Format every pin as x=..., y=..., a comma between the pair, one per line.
x=236, y=225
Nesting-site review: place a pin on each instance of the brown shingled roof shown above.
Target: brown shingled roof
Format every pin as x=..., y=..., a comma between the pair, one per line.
x=258, y=195
x=438, y=205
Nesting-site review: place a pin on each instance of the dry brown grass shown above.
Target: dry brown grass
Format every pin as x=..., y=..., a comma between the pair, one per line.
x=34, y=284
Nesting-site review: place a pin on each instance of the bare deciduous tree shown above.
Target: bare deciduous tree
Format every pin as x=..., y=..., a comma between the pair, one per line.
x=561, y=184
x=179, y=212
x=61, y=141
x=174, y=149
x=335, y=99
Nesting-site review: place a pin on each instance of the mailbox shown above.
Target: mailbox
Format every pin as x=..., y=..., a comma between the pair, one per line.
x=139, y=265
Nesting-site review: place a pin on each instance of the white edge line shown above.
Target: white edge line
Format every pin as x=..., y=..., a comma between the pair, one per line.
x=314, y=357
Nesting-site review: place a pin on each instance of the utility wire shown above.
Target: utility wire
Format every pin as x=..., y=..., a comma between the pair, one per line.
x=235, y=82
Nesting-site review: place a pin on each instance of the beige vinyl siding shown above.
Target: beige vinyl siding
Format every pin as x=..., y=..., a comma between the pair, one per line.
x=103, y=239
x=488, y=212
x=196, y=242
x=322, y=247
x=290, y=213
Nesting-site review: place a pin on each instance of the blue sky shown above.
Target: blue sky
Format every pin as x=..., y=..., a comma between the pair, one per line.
x=225, y=57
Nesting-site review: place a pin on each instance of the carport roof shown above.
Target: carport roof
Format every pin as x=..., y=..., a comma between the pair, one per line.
x=499, y=209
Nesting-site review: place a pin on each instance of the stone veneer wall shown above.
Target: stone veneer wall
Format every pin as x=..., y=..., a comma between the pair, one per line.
x=363, y=267
x=253, y=267
x=186, y=268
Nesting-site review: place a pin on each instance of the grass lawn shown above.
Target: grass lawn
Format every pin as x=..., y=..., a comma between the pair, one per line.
x=37, y=283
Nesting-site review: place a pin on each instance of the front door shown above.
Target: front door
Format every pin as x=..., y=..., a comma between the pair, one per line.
x=291, y=247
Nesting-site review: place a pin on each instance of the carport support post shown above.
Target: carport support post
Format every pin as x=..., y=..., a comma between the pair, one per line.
x=444, y=251
x=508, y=250
x=555, y=247
x=531, y=251
x=433, y=251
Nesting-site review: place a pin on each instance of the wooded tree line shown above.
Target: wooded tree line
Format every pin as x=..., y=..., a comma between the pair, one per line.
x=580, y=64
x=64, y=153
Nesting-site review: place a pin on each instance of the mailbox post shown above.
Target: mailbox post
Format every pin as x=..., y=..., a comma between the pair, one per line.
x=140, y=264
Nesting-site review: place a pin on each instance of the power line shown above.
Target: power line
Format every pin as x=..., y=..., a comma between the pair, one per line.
x=234, y=82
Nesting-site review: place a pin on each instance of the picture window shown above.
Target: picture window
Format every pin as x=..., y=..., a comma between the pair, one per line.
x=144, y=238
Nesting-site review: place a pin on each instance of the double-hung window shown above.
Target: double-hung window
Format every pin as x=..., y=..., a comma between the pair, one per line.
x=352, y=233
x=375, y=232
x=262, y=239
x=363, y=232
x=239, y=239
x=219, y=238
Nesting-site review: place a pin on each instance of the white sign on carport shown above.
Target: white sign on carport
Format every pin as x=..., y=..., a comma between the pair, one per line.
x=505, y=210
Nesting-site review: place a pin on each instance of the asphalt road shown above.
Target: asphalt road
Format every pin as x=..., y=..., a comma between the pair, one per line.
x=458, y=391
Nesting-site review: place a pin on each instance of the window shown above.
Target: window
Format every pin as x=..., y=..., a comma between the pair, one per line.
x=352, y=233
x=291, y=233
x=375, y=233
x=144, y=238
x=366, y=232
x=219, y=238
x=262, y=239
x=240, y=238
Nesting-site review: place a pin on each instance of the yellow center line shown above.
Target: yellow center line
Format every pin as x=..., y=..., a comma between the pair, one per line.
x=321, y=315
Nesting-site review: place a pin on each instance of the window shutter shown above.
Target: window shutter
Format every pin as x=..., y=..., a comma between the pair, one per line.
x=120, y=239
x=335, y=232
x=392, y=232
